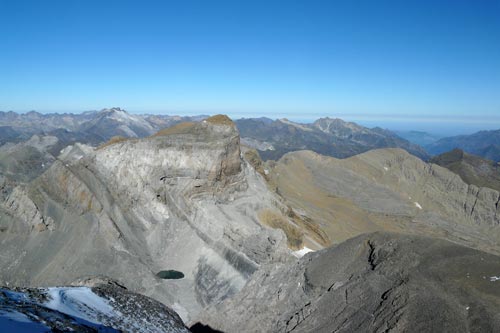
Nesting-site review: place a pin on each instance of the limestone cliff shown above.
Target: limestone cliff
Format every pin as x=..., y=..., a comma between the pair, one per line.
x=182, y=200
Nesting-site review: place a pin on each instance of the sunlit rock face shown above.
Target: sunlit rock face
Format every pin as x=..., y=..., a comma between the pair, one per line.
x=183, y=199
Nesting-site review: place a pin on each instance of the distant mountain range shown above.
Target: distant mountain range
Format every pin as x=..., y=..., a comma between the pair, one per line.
x=92, y=127
x=272, y=138
x=484, y=143
x=332, y=137
x=31, y=142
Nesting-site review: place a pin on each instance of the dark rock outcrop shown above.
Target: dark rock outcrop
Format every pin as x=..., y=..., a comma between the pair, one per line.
x=379, y=282
x=102, y=308
x=472, y=169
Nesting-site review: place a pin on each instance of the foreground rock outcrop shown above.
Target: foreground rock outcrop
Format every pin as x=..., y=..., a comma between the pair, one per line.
x=102, y=308
x=181, y=200
x=379, y=282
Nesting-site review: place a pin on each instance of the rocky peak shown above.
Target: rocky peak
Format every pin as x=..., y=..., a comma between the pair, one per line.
x=33, y=113
x=208, y=151
x=118, y=114
x=221, y=120
x=113, y=109
x=182, y=199
x=116, y=122
x=336, y=126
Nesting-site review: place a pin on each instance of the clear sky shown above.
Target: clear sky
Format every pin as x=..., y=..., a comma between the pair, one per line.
x=297, y=59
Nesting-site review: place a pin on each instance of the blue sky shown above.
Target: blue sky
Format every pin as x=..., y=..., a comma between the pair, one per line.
x=297, y=59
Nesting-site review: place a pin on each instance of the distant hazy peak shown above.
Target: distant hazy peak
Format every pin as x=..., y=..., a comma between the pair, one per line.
x=122, y=115
x=483, y=143
x=33, y=113
x=328, y=124
x=116, y=108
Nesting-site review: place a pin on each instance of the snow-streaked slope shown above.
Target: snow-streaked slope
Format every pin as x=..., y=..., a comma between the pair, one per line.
x=83, y=309
x=78, y=302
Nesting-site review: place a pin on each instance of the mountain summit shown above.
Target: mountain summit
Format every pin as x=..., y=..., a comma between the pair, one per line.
x=182, y=200
x=117, y=122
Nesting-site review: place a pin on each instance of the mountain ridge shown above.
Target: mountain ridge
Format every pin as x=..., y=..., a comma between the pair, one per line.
x=387, y=190
x=485, y=144
x=328, y=136
x=472, y=169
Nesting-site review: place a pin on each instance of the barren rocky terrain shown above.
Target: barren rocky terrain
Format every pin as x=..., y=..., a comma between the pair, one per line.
x=185, y=201
x=379, y=282
x=391, y=190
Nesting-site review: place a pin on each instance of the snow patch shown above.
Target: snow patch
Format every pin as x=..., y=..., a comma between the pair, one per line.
x=15, y=316
x=14, y=295
x=13, y=321
x=78, y=302
x=418, y=205
x=300, y=253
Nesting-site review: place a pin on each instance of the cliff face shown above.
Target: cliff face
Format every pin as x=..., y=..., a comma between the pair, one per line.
x=183, y=201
